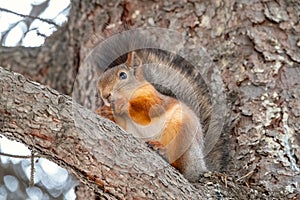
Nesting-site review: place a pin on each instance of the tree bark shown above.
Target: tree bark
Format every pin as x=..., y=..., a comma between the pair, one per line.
x=97, y=151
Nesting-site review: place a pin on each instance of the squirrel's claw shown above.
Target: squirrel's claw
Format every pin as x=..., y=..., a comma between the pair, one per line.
x=106, y=111
x=158, y=148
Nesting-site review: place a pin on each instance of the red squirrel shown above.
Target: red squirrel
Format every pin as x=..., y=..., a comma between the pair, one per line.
x=163, y=122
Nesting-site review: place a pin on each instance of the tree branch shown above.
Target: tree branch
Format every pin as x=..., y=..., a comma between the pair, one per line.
x=29, y=16
x=97, y=151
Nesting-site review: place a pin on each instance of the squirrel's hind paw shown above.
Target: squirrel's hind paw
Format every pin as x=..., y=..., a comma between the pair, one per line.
x=159, y=148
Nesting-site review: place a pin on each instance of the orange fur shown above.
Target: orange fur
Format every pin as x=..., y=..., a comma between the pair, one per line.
x=171, y=136
x=144, y=99
x=173, y=125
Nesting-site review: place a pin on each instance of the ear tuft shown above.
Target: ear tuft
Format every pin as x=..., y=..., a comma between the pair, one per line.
x=133, y=60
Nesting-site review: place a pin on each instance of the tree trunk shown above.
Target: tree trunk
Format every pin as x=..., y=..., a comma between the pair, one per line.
x=254, y=44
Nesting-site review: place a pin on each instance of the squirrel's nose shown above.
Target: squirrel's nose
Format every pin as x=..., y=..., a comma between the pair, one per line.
x=107, y=99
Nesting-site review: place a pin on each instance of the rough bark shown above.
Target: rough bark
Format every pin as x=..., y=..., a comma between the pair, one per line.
x=97, y=151
x=255, y=45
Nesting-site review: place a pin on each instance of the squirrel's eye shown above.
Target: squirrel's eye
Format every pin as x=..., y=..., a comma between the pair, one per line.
x=122, y=75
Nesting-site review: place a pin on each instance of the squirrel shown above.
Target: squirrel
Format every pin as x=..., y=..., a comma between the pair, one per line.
x=172, y=88
x=163, y=122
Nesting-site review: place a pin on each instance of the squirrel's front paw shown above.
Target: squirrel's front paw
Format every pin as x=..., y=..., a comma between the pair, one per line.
x=158, y=147
x=119, y=105
x=106, y=111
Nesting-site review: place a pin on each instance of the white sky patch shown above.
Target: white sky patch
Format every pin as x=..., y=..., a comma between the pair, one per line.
x=54, y=8
x=14, y=148
x=33, y=40
x=49, y=167
x=11, y=183
x=54, y=12
x=22, y=7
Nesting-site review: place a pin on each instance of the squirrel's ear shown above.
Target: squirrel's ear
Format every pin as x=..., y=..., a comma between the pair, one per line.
x=133, y=60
